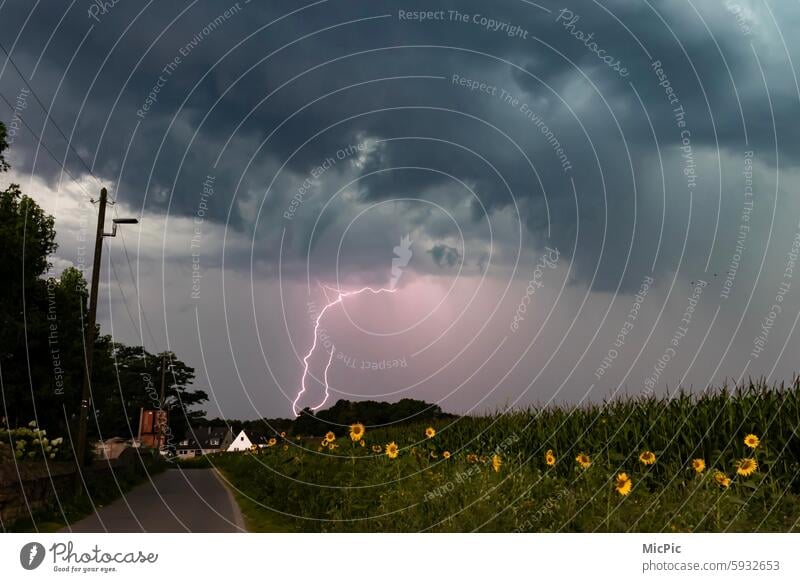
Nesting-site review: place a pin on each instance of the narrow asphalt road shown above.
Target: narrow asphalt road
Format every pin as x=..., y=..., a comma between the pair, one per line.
x=194, y=500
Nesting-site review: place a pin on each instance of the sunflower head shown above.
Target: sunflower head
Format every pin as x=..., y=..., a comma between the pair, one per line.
x=549, y=458
x=751, y=441
x=583, y=460
x=283, y=434
x=699, y=465
x=722, y=479
x=285, y=447
x=746, y=467
x=392, y=451
x=362, y=443
x=647, y=458
x=271, y=442
x=330, y=437
x=357, y=431
x=472, y=458
x=430, y=432
x=332, y=446
x=623, y=484
x=497, y=462
x=446, y=454
x=377, y=449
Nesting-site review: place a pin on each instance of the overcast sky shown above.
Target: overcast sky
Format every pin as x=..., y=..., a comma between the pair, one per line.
x=600, y=197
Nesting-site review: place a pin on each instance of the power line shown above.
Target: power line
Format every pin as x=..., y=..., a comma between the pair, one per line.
x=47, y=149
x=47, y=113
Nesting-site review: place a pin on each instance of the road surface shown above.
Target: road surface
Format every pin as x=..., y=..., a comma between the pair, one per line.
x=193, y=500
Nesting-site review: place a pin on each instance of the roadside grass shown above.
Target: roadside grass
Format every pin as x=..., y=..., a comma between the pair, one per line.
x=496, y=476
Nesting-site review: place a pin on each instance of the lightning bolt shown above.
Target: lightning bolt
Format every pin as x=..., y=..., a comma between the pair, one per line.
x=340, y=296
x=32, y=554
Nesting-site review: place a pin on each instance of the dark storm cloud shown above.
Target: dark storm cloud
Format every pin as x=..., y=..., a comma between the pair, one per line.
x=445, y=256
x=438, y=139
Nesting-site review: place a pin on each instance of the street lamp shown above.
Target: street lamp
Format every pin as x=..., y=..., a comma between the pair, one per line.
x=90, y=330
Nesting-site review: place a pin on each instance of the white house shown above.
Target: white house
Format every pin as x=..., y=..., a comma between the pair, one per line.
x=246, y=440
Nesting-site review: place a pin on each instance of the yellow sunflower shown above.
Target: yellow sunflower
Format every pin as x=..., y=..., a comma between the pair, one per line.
x=624, y=484
x=647, y=458
x=271, y=442
x=285, y=447
x=330, y=437
x=332, y=446
x=357, y=431
x=430, y=432
x=362, y=443
x=752, y=441
x=722, y=479
x=392, y=451
x=746, y=467
x=283, y=434
x=497, y=462
x=324, y=442
x=446, y=454
x=472, y=458
x=584, y=461
x=550, y=458
x=376, y=449
x=699, y=465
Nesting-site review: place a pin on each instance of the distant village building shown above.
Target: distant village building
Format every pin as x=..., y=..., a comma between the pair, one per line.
x=152, y=428
x=205, y=440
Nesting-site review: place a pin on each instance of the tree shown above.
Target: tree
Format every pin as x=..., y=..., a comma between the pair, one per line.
x=27, y=238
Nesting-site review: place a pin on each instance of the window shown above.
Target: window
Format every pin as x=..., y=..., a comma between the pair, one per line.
x=214, y=442
x=241, y=438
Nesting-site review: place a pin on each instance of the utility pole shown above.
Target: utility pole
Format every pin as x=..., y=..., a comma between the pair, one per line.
x=91, y=332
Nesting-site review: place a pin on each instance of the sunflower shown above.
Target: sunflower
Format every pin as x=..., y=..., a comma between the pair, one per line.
x=472, y=458
x=332, y=446
x=391, y=450
x=357, y=431
x=430, y=432
x=271, y=442
x=285, y=447
x=584, y=461
x=722, y=479
x=283, y=434
x=497, y=462
x=446, y=454
x=751, y=441
x=647, y=458
x=362, y=443
x=330, y=437
x=550, y=458
x=624, y=484
x=376, y=449
x=746, y=467
x=699, y=465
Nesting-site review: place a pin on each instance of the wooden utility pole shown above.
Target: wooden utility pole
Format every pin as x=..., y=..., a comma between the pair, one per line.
x=91, y=331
